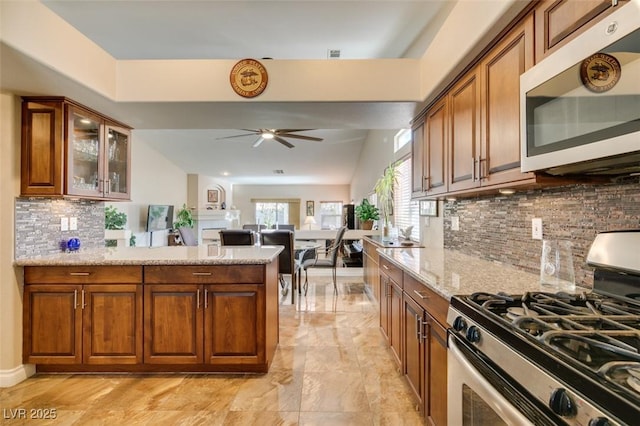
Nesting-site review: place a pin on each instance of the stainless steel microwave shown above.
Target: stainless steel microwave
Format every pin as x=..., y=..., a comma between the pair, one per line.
x=580, y=106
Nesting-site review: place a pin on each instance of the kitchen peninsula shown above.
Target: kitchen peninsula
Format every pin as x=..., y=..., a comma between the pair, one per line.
x=160, y=309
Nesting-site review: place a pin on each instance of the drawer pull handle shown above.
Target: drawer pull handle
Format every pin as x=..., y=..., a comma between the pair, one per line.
x=201, y=274
x=385, y=267
x=79, y=274
x=83, y=303
x=420, y=294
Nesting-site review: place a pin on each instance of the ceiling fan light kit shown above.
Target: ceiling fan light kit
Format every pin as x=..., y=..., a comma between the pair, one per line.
x=278, y=135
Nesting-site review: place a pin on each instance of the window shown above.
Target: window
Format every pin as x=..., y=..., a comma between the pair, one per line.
x=271, y=213
x=406, y=212
x=401, y=138
x=330, y=214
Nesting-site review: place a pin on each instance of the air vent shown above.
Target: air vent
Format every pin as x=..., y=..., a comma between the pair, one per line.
x=278, y=172
x=333, y=54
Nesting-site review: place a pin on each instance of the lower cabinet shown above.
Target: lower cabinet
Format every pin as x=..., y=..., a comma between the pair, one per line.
x=195, y=324
x=67, y=322
x=412, y=320
x=180, y=318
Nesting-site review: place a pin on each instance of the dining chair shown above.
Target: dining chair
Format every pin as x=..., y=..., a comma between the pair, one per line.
x=288, y=226
x=287, y=263
x=330, y=260
x=254, y=227
x=237, y=237
x=187, y=236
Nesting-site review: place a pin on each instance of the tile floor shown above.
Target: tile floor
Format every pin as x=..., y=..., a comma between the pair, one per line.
x=332, y=367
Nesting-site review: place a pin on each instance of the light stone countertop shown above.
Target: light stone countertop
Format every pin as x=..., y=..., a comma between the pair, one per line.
x=451, y=273
x=165, y=255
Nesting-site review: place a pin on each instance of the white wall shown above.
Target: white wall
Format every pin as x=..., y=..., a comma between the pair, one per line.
x=377, y=153
x=242, y=194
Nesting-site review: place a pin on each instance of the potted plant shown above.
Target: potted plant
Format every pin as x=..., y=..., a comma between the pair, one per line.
x=384, y=190
x=114, y=223
x=367, y=213
x=184, y=218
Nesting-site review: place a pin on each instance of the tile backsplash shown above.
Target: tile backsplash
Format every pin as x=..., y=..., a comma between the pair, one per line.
x=38, y=225
x=499, y=227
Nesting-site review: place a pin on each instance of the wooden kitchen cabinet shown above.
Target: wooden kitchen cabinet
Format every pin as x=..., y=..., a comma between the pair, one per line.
x=425, y=348
x=391, y=307
x=370, y=267
x=71, y=150
x=213, y=315
x=559, y=21
x=82, y=315
x=429, y=152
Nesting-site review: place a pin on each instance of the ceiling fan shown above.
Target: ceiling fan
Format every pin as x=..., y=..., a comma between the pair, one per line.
x=278, y=135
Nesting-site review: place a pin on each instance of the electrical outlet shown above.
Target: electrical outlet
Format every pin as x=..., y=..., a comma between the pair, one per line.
x=73, y=223
x=536, y=228
x=455, y=223
x=64, y=223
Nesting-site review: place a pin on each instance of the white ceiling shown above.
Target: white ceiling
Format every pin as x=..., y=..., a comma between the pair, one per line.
x=293, y=29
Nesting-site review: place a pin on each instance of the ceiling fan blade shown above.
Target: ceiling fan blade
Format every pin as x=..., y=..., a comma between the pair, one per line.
x=308, y=138
x=282, y=141
x=280, y=131
x=236, y=136
x=258, y=142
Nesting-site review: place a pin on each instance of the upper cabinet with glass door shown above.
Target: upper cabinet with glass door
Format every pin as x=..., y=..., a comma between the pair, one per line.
x=68, y=149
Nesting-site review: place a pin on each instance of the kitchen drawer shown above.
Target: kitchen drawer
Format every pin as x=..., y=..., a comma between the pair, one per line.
x=436, y=305
x=218, y=274
x=83, y=274
x=391, y=270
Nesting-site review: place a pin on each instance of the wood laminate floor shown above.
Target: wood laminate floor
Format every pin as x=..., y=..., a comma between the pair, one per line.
x=332, y=367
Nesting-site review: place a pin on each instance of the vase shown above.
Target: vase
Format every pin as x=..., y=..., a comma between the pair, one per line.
x=367, y=225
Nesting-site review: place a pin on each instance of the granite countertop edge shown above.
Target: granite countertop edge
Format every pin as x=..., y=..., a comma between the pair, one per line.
x=145, y=256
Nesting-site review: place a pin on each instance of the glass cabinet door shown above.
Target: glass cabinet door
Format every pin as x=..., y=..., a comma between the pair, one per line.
x=117, y=162
x=84, y=150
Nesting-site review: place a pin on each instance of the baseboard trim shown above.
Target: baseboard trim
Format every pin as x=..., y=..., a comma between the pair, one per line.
x=16, y=375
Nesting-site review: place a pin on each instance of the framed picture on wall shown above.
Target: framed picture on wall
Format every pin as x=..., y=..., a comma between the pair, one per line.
x=310, y=209
x=428, y=208
x=213, y=196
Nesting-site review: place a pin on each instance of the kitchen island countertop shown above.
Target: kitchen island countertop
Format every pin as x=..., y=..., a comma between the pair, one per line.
x=164, y=255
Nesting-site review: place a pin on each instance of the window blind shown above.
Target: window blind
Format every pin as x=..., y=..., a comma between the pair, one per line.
x=406, y=212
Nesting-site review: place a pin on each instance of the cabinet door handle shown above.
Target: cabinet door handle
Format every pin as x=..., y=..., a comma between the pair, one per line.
x=420, y=294
x=79, y=274
x=206, y=298
x=385, y=267
x=100, y=185
x=418, y=328
x=107, y=186
x=481, y=175
x=425, y=330
x=198, y=299
x=473, y=169
x=83, y=304
x=75, y=299
x=201, y=274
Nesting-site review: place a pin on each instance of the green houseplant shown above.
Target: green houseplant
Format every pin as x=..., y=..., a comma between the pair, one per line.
x=114, y=221
x=384, y=190
x=184, y=218
x=367, y=213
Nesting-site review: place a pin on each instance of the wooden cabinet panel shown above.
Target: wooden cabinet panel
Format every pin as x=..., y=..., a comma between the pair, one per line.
x=385, y=296
x=395, y=322
x=464, y=136
x=112, y=324
x=52, y=324
x=436, y=393
x=173, y=324
x=418, y=157
x=392, y=271
x=436, y=146
x=218, y=274
x=501, y=70
x=559, y=21
x=42, y=149
x=370, y=265
x=432, y=302
x=83, y=274
x=233, y=332
x=414, y=349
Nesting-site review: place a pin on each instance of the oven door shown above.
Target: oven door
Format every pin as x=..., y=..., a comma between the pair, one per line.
x=477, y=389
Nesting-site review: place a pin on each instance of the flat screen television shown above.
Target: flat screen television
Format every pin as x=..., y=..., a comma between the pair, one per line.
x=159, y=217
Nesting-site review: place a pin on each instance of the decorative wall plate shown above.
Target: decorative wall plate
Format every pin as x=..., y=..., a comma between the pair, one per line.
x=248, y=78
x=600, y=72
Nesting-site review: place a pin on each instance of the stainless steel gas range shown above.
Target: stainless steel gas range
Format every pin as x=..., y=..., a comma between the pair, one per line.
x=552, y=358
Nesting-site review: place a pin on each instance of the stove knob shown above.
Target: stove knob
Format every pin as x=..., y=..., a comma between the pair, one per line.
x=599, y=421
x=561, y=403
x=473, y=334
x=459, y=324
